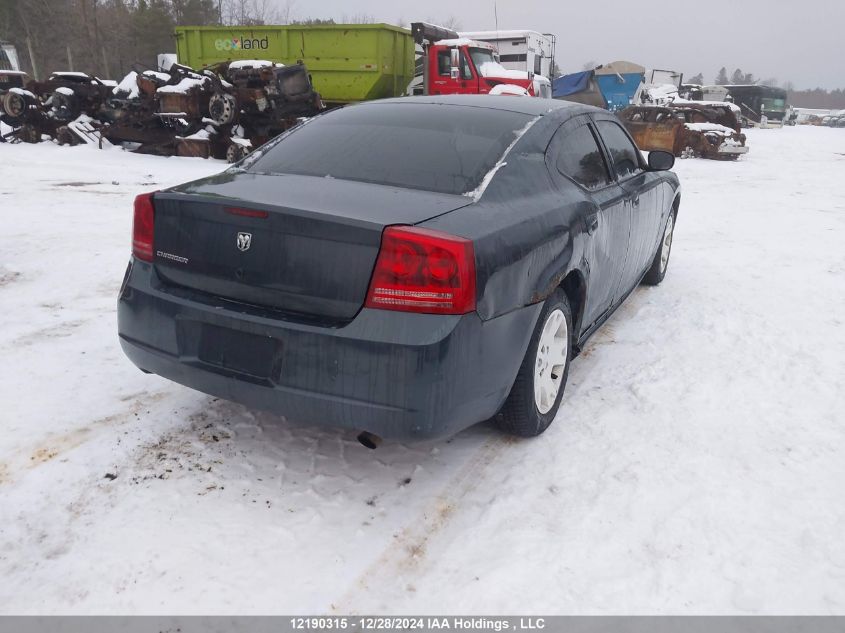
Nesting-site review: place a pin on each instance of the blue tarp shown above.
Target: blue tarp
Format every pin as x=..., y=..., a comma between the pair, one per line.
x=571, y=84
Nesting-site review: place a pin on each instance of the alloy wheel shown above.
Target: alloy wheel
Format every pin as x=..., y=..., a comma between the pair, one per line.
x=552, y=352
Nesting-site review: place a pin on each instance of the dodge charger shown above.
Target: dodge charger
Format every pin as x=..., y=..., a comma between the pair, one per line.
x=405, y=268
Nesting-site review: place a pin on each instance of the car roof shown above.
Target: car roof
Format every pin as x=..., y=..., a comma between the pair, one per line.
x=533, y=106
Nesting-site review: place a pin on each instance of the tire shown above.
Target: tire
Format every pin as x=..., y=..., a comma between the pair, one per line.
x=223, y=108
x=531, y=406
x=659, y=265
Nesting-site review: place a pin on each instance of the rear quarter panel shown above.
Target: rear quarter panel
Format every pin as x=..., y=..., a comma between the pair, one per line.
x=527, y=233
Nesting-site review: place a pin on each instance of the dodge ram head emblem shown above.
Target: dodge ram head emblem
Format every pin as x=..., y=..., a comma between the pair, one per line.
x=244, y=241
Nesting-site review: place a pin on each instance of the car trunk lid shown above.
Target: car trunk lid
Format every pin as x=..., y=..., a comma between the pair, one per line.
x=297, y=244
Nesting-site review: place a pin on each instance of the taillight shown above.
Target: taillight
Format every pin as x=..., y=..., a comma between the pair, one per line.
x=420, y=270
x=142, y=227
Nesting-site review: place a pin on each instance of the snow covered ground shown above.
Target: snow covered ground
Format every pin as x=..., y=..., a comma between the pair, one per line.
x=696, y=466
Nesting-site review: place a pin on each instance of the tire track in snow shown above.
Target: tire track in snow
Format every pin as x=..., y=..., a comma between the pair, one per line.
x=406, y=554
x=58, y=444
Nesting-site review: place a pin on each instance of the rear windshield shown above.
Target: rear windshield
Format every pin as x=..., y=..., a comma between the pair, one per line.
x=442, y=148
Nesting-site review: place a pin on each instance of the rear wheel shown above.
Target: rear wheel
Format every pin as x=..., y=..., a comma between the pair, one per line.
x=660, y=263
x=537, y=392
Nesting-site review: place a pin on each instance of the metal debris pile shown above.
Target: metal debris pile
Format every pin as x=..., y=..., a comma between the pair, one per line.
x=222, y=111
x=687, y=129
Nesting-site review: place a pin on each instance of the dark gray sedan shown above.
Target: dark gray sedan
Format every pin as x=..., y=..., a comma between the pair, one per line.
x=406, y=268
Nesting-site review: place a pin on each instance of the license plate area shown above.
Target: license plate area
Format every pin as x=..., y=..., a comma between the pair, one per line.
x=231, y=352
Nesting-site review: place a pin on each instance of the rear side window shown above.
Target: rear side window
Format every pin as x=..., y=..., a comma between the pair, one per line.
x=442, y=148
x=579, y=157
x=625, y=155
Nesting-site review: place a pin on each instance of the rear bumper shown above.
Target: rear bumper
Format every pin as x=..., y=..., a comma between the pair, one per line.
x=398, y=375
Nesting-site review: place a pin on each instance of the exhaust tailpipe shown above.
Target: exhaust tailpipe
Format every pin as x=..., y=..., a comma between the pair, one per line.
x=369, y=440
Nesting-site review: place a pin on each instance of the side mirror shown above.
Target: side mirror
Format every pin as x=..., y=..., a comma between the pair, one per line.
x=660, y=161
x=455, y=62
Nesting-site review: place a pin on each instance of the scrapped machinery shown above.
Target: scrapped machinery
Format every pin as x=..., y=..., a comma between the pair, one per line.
x=687, y=129
x=222, y=111
x=17, y=105
x=48, y=107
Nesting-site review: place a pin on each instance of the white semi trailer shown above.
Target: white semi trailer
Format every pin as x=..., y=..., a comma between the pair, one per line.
x=528, y=51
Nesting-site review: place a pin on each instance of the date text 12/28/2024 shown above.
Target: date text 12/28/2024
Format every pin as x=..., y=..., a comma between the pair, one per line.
x=410, y=623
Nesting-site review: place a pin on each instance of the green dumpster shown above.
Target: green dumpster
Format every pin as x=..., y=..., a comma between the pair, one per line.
x=347, y=62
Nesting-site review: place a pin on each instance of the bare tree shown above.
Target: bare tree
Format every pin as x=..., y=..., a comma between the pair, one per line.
x=286, y=13
x=250, y=12
x=450, y=23
x=358, y=18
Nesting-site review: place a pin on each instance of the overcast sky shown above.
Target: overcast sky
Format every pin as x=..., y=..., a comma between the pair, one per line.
x=793, y=41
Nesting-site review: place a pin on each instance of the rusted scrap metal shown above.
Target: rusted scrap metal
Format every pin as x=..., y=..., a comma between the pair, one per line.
x=22, y=111
x=261, y=93
x=18, y=105
x=687, y=130
x=47, y=107
x=183, y=101
x=223, y=111
x=67, y=95
x=131, y=114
